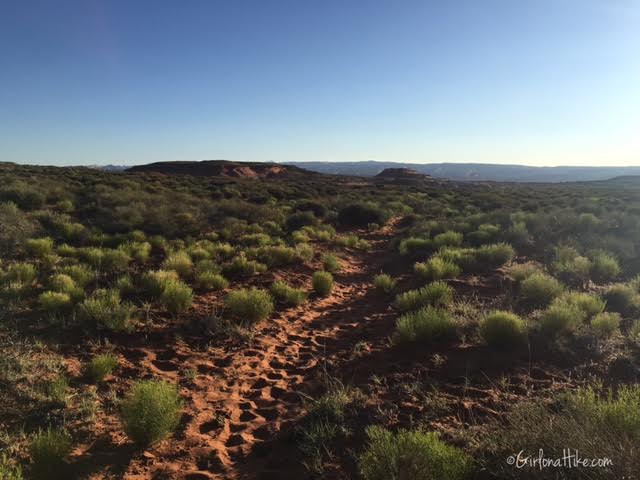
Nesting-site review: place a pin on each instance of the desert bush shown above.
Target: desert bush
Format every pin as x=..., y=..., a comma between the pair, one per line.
x=63, y=283
x=426, y=325
x=448, y=239
x=361, y=214
x=435, y=294
x=241, y=266
x=211, y=280
x=285, y=293
x=304, y=252
x=572, y=267
x=249, y=305
x=8, y=471
x=104, y=308
x=39, y=247
x=176, y=296
x=493, y=256
x=154, y=282
x=588, y=303
x=604, y=267
x=411, y=455
x=277, y=255
x=315, y=206
x=16, y=227
x=48, y=450
x=606, y=324
x=521, y=271
x=503, y=330
x=385, y=283
x=297, y=220
x=622, y=298
x=179, y=262
x=82, y=275
x=54, y=302
x=150, y=411
x=138, y=250
x=560, y=318
x=22, y=272
x=539, y=289
x=322, y=283
x=102, y=365
x=331, y=263
x=597, y=424
x=255, y=240
x=436, y=269
x=415, y=246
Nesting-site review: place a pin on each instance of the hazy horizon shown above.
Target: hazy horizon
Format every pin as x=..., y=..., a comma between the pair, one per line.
x=538, y=83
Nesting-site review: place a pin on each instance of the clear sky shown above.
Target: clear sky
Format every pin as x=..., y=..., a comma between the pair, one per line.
x=537, y=82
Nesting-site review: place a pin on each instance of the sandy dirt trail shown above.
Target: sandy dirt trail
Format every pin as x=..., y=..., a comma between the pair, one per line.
x=238, y=401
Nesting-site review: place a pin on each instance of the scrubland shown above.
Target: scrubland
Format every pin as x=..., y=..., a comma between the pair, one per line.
x=198, y=327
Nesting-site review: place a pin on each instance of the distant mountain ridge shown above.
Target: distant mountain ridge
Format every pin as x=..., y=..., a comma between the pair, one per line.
x=474, y=171
x=222, y=168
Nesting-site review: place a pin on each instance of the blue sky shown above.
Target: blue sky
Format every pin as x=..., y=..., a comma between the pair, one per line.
x=538, y=82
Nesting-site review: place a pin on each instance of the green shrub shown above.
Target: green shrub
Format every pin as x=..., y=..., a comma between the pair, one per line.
x=448, y=239
x=322, y=283
x=622, y=298
x=39, y=247
x=606, y=324
x=81, y=274
x=503, y=330
x=9, y=471
x=436, y=269
x=179, y=262
x=48, y=450
x=576, y=269
x=493, y=256
x=241, y=266
x=411, y=455
x=561, y=318
x=250, y=305
x=521, y=271
x=104, y=308
x=604, y=267
x=101, y=366
x=176, y=297
x=361, y=214
x=21, y=272
x=150, y=411
x=57, y=388
x=435, y=294
x=297, y=220
x=54, y=302
x=597, y=424
x=331, y=263
x=587, y=303
x=287, y=294
x=426, y=325
x=138, y=250
x=540, y=289
x=155, y=282
x=304, y=252
x=415, y=246
x=277, y=255
x=62, y=283
x=255, y=240
x=211, y=281
x=385, y=283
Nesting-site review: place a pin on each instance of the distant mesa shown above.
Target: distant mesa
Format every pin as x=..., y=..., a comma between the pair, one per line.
x=401, y=175
x=222, y=168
